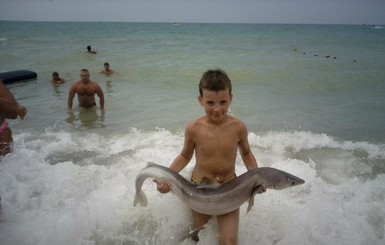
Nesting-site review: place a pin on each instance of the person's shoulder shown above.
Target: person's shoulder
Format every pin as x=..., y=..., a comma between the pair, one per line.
x=234, y=119
x=237, y=123
x=60, y=81
x=94, y=83
x=196, y=124
x=198, y=121
x=107, y=72
x=76, y=84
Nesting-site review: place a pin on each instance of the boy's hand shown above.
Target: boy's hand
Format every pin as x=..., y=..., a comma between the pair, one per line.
x=163, y=187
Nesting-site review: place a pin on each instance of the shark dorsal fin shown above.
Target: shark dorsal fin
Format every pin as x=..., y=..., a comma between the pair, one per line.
x=151, y=164
x=207, y=183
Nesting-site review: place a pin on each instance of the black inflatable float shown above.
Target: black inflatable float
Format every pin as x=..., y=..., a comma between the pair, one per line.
x=15, y=76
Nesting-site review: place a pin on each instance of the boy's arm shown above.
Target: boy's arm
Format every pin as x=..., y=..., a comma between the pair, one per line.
x=181, y=160
x=187, y=152
x=244, y=148
x=248, y=156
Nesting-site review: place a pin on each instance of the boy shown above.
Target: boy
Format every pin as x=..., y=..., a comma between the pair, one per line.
x=215, y=139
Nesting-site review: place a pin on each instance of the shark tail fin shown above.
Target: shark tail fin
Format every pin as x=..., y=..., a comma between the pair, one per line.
x=140, y=198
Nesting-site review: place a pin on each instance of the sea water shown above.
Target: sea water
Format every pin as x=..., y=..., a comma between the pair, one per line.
x=312, y=97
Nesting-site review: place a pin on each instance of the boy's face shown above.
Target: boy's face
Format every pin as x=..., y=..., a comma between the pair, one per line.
x=216, y=104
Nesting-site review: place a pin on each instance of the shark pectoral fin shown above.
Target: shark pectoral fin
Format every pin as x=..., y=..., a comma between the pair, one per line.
x=251, y=203
x=140, y=198
x=258, y=190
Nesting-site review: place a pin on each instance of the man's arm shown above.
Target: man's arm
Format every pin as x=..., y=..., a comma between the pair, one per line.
x=8, y=105
x=71, y=95
x=100, y=93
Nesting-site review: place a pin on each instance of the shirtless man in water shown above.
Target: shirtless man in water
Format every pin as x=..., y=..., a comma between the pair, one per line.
x=86, y=90
x=107, y=70
x=56, y=79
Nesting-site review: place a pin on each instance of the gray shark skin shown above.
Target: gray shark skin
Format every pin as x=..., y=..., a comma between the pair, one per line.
x=216, y=200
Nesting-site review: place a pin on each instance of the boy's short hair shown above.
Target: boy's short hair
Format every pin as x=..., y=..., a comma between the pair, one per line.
x=214, y=80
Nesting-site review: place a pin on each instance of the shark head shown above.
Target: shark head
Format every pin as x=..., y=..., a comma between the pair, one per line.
x=286, y=181
x=278, y=179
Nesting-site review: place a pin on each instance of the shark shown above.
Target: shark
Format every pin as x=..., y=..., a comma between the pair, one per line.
x=213, y=198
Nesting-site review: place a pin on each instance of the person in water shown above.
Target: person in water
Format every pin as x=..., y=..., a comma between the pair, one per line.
x=56, y=79
x=215, y=139
x=11, y=109
x=89, y=50
x=107, y=70
x=86, y=90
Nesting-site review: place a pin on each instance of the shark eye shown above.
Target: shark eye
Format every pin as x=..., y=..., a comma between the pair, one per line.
x=293, y=182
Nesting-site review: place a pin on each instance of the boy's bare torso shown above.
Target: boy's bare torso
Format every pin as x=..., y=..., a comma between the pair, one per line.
x=215, y=147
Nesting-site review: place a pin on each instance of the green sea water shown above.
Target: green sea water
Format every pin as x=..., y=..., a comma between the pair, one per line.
x=312, y=97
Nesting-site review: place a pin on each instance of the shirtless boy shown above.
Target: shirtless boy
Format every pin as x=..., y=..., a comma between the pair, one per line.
x=86, y=90
x=215, y=139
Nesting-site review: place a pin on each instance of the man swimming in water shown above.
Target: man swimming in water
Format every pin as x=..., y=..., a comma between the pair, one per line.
x=56, y=79
x=86, y=90
x=89, y=50
x=107, y=70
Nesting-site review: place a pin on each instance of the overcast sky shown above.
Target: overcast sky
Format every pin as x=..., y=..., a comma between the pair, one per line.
x=218, y=11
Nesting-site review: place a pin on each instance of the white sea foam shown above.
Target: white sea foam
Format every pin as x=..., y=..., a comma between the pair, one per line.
x=70, y=188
